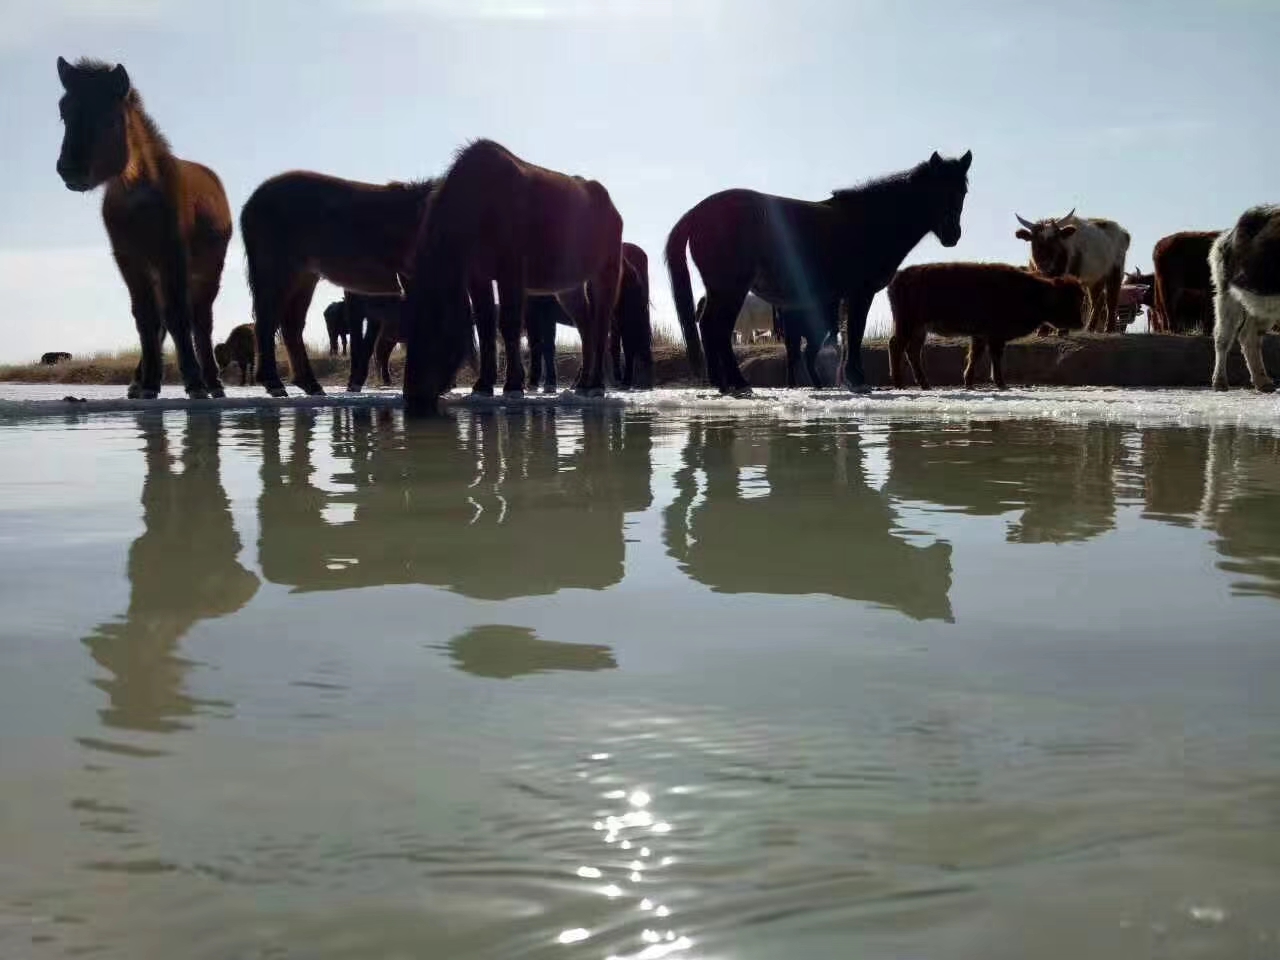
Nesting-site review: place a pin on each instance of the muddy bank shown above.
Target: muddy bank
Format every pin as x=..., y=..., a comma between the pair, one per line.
x=1138, y=360
x=1081, y=360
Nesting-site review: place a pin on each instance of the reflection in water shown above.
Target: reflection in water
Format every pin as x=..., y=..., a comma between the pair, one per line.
x=503, y=652
x=491, y=506
x=183, y=568
x=1242, y=483
x=798, y=518
x=1062, y=476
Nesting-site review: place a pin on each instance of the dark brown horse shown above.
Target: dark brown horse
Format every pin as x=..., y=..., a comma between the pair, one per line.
x=495, y=217
x=301, y=226
x=238, y=349
x=376, y=328
x=795, y=253
x=630, y=336
x=338, y=326
x=167, y=220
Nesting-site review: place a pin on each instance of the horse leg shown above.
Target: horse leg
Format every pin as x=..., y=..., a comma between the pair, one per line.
x=602, y=291
x=533, y=334
x=270, y=294
x=146, y=317
x=858, y=306
x=574, y=303
x=897, y=350
x=811, y=360
x=549, y=326
x=292, y=320
x=202, y=296
x=510, y=322
x=723, y=306
x=996, y=349
x=487, y=333
x=791, y=338
x=175, y=285
x=977, y=346
x=382, y=353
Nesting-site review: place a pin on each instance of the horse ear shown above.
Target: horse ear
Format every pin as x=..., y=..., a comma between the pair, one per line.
x=966, y=160
x=935, y=160
x=120, y=81
x=66, y=73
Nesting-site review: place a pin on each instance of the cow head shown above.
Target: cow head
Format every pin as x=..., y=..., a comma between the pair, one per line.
x=1048, y=239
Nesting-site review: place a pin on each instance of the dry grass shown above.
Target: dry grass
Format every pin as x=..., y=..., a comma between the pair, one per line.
x=116, y=367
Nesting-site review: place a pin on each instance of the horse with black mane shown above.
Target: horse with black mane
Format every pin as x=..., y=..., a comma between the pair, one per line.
x=301, y=226
x=795, y=253
x=167, y=220
x=238, y=348
x=498, y=218
x=630, y=335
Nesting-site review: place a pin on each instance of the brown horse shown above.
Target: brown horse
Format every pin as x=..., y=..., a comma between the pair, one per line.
x=238, y=349
x=301, y=226
x=167, y=220
x=795, y=253
x=495, y=217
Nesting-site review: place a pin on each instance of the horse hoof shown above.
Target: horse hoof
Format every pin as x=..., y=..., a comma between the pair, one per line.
x=134, y=392
x=146, y=394
x=218, y=393
x=278, y=392
x=197, y=393
x=514, y=392
x=481, y=391
x=1267, y=387
x=352, y=388
x=743, y=393
x=859, y=388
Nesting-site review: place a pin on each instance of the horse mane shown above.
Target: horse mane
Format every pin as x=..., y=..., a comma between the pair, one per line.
x=133, y=99
x=877, y=187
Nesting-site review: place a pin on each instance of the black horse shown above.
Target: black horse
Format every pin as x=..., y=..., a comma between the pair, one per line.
x=800, y=253
x=630, y=334
x=338, y=326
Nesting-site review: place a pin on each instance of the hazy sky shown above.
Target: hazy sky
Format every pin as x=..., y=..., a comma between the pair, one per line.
x=1160, y=114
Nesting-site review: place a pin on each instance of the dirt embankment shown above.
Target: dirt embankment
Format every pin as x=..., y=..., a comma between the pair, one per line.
x=1136, y=360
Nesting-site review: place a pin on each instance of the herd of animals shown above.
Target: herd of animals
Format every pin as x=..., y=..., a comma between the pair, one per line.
x=420, y=262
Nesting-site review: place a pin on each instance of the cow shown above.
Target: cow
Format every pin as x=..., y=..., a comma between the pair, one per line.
x=1091, y=249
x=338, y=324
x=754, y=315
x=53, y=357
x=1183, y=288
x=991, y=303
x=238, y=348
x=1138, y=291
x=1244, y=265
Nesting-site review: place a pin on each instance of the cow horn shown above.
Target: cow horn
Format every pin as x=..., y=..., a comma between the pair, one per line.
x=1026, y=223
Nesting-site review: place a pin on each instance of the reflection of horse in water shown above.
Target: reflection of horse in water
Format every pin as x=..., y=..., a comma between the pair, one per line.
x=490, y=505
x=183, y=568
x=1061, y=476
x=806, y=522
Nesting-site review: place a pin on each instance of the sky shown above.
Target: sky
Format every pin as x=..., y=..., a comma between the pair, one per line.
x=1158, y=113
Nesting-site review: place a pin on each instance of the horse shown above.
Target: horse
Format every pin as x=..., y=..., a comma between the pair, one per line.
x=238, y=348
x=800, y=253
x=54, y=357
x=384, y=316
x=630, y=335
x=337, y=325
x=167, y=219
x=496, y=217
x=301, y=226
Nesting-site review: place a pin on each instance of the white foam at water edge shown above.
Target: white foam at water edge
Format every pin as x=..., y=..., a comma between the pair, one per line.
x=1083, y=404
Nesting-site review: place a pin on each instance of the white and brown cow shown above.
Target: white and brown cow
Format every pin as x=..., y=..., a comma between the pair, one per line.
x=1091, y=249
x=1244, y=264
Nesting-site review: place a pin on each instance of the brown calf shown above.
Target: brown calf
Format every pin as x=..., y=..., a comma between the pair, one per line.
x=991, y=303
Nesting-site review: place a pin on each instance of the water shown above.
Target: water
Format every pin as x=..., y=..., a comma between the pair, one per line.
x=641, y=684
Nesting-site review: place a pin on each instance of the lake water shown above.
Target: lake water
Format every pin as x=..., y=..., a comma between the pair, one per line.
x=641, y=684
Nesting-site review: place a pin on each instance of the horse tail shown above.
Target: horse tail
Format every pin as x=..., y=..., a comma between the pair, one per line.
x=682, y=291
